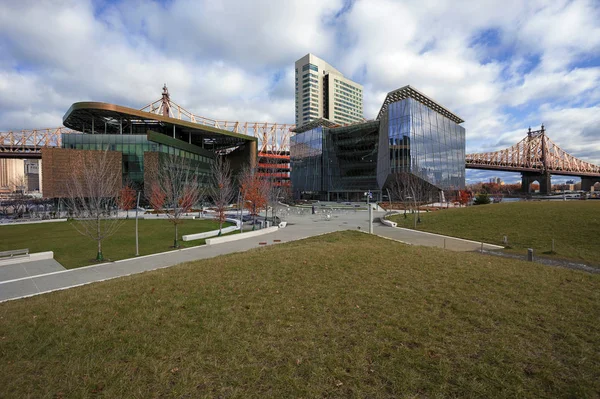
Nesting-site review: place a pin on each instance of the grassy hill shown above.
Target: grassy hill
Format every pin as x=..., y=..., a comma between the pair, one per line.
x=574, y=226
x=341, y=315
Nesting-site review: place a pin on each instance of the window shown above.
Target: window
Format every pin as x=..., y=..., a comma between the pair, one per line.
x=311, y=67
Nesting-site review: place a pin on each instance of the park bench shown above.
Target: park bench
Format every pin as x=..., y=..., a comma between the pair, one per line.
x=15, y=253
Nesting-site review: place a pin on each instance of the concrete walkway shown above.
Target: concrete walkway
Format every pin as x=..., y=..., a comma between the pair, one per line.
x=23, y=285
x=28, y=268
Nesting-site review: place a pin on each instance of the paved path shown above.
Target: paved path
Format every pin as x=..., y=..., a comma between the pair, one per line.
x=29, y=268
x=298, y=227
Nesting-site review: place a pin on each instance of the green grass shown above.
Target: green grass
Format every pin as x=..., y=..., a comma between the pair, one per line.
x=341, y=315
x=574, y=226
x=71, y=249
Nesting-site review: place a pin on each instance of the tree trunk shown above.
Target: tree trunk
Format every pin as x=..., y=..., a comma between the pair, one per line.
x=99, y=254
x=175, y=243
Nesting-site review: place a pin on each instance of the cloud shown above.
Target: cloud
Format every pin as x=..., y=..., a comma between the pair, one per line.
x=84, y=55
x=501, y=66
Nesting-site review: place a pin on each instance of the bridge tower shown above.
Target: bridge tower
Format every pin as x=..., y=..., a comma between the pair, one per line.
x=166, y=101
x=537, y=158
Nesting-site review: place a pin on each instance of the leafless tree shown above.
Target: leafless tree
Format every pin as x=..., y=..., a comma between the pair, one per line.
x=255, y=191
x=179, y=185
x=18, y=197
x=221, y=191
x=5, y=205
x=400, y=190
x=412, y=191
x=274, y=195
x=92, y=196
x=243, y=181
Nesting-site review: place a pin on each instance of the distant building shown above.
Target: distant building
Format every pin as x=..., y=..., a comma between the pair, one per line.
x=24, y=173
x=411, y=135
x=323, y=92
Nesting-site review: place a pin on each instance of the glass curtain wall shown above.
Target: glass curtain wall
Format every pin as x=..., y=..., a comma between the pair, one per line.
x=426, y=143
x=133, y=146
x=351, y=158
x=306, y=158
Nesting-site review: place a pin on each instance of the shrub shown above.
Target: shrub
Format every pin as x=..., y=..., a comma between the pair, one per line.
x=482, y=199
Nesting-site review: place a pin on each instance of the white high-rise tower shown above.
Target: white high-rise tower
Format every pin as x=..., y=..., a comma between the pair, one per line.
x=323, y=92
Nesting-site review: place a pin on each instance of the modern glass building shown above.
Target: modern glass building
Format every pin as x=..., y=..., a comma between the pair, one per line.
x=412, y=134
x=134, y=146
x=138, y=136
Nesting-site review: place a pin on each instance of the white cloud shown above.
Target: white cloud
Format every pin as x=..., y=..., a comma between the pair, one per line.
x=501, y=66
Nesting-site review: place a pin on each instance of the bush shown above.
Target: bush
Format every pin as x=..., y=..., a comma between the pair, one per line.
x=482, y=199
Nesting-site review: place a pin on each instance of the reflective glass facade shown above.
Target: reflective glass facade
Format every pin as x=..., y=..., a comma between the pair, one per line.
x=133, y=147
x=411, y=136
x=306, y=157
x=423, y=142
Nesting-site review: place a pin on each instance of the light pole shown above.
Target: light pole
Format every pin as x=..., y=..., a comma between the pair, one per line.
x=369, y=196
x=137, y=244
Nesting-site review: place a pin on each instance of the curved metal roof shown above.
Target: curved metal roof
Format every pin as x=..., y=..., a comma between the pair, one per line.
x=98, y=117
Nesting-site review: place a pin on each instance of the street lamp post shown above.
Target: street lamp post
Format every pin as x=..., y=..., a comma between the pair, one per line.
x=137, y=244
x=369, y=196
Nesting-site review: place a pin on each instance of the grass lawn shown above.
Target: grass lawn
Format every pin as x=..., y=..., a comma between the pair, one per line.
x=74, y=250
x=574, y=226
x=341, y=315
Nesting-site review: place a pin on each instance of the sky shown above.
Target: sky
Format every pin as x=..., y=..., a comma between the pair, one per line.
x=502, y=66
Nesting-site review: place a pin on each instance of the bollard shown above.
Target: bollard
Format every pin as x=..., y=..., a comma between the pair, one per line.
x=553, y=245
x=370, y=220
x=481, y=250
x=505, y=240
x=530, y=254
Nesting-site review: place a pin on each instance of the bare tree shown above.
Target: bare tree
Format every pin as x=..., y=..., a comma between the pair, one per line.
x=243, y=181
x=222, y=191
x=255, y=191
x=92, y=196
x=274, y=194
x=19, y=198
x=5, y=205
x=127, y=197
x=399, y=189
x=179, y=184
x=413, y=192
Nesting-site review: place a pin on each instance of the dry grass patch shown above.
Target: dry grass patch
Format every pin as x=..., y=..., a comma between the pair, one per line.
x=341, y=315
x=574, y=226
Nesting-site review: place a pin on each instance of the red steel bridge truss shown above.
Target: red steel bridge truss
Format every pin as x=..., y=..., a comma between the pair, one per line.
x=273, y=138
x=536, y=153
x=28, y=143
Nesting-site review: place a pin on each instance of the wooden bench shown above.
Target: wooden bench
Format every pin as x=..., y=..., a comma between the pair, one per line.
x=15, y=253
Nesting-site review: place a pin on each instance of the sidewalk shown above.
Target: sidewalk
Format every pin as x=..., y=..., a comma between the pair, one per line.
x=299, y=227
